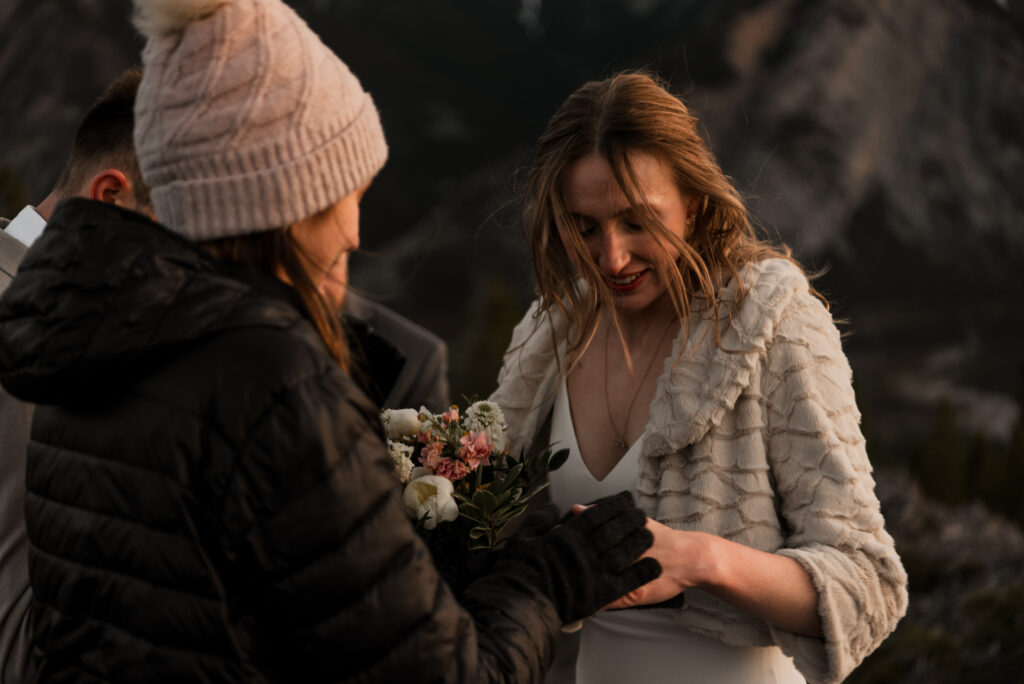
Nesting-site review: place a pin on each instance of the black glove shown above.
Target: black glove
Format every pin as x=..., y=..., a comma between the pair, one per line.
x=677, y=601
x=532, y=525
x=587, y=561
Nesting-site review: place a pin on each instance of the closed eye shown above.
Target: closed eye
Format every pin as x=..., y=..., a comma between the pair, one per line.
x=584, y=227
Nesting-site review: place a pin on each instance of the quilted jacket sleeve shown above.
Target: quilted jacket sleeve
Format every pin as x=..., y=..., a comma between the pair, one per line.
x=335, y=585
x=823, y=478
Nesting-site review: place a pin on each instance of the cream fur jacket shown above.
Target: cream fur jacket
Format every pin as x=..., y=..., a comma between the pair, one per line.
x=757, y=441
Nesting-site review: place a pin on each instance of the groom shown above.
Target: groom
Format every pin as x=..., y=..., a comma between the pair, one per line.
x=101, y=166
x=403, y=364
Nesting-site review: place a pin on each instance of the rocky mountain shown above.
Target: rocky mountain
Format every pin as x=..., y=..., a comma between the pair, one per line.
x=55, y=58
x=966, y=614
x=882, y=140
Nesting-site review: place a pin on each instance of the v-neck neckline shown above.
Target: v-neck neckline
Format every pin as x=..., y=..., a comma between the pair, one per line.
x=563, y=396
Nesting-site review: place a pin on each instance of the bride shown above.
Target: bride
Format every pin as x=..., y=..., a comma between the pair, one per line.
x=680, y=357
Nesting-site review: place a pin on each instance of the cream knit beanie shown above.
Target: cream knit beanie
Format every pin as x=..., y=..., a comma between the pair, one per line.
x=244, y=120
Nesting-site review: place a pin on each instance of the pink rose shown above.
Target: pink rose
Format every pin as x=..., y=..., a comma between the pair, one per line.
x=475, y=450
x=451, y=469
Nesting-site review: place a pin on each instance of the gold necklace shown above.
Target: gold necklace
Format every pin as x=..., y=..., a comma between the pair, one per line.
x=621, y=438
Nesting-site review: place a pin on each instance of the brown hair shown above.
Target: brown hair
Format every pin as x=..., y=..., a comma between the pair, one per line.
x=634, y=113
x=274, y=251
x=104, y=139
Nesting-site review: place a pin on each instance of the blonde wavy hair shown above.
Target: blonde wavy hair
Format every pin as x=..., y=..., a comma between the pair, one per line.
x=616, y=118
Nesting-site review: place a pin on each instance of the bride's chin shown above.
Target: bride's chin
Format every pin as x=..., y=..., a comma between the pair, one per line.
x=642, y=303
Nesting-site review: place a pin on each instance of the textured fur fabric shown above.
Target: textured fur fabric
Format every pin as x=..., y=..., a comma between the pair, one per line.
x=757, y=441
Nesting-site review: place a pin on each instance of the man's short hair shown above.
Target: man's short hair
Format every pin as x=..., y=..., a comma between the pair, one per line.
x=104, y=139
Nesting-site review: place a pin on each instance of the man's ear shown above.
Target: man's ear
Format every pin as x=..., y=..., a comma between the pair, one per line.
x=113, y=186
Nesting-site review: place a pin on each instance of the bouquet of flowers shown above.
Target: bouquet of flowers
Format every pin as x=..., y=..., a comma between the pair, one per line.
x=462, y=487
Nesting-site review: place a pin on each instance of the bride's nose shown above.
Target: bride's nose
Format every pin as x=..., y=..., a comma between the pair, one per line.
x=614, y=252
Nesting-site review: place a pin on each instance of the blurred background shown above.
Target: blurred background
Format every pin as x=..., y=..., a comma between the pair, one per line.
x=882, y=140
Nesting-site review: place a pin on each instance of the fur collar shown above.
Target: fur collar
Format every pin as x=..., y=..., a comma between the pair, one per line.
x=692, y=395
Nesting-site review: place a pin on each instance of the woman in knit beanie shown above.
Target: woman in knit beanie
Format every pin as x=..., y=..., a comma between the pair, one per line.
x=246, y=123
x=209, y=497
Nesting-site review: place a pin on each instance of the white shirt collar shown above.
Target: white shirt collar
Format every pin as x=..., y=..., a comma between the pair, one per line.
x=26, y=226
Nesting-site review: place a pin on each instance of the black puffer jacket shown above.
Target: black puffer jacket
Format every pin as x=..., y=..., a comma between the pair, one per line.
x=209, y=496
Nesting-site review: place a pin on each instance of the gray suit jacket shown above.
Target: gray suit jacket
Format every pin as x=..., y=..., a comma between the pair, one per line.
x=423, y=380
x=15, y=597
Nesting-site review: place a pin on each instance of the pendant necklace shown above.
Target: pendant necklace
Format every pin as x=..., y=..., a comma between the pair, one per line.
x=621, y=438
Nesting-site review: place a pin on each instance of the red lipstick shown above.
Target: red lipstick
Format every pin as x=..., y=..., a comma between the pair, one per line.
x=627, y=283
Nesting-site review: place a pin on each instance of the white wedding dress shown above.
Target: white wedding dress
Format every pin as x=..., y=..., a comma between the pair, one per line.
x=647, y=646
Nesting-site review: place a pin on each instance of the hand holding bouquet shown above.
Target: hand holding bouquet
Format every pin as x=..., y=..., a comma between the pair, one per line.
x=462, y=486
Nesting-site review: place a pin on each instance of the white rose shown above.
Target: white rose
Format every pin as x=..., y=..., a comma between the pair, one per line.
x=401, y=454
x=486, y=416
x=430, y=495
x=401, y=422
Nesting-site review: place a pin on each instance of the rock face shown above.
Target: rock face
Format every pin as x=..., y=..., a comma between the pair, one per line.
x=966, y=617
x=882, y=140
x=55, y=59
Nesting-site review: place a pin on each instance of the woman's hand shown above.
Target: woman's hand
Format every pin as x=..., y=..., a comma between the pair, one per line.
x=768, y=586
x=685, y=559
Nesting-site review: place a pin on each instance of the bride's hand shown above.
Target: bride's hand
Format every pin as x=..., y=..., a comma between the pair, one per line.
x=686, y=562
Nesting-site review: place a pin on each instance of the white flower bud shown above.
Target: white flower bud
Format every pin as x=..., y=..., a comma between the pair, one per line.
x=431, y=496
x=401, y=422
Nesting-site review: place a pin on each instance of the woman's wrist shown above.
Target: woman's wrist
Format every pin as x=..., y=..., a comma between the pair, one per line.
x=710, y=561
x=695, y=560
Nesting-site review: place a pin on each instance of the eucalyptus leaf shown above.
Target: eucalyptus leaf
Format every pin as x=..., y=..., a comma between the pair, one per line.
x=518, y=510
x=558, y=459
x=474, y=515
x=534, y=490
x=503, y=499
x=471, y=508
x=505, y=516
x=534, y=469
x=499, y=485
x=514, y=472
x=485, y=501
